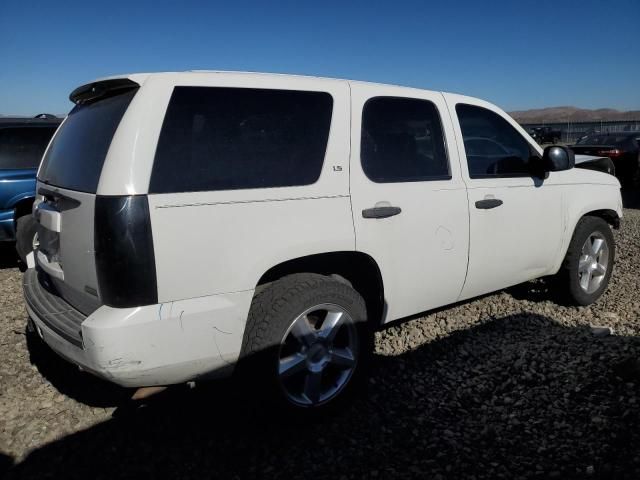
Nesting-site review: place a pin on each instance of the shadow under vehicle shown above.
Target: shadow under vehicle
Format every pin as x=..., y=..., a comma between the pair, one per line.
x=520, y=396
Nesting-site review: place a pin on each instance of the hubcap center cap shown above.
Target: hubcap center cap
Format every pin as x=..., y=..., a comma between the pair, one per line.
x=317, y=355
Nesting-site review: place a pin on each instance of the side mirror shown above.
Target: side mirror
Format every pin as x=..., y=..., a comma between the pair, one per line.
x=556, y=158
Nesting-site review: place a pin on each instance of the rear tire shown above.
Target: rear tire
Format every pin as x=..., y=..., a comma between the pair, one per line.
x=306, y=344
x=26, y=236
x=588, y=264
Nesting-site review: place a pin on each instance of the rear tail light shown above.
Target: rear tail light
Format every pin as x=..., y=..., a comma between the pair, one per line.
x=125, y=260
x=616, y=152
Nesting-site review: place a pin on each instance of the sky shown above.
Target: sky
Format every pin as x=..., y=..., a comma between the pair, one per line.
x=517, y=54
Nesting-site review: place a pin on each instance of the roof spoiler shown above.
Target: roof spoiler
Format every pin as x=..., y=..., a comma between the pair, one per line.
x=106, y=88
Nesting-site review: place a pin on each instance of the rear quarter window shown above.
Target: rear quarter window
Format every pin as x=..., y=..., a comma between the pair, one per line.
x=22, y=147
x=78, y=151
x=217, y=138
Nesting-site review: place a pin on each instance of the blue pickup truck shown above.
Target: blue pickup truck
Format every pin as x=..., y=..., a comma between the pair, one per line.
x=22, y=143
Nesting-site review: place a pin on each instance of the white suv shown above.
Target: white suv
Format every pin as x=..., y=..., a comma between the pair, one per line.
x=192, y=222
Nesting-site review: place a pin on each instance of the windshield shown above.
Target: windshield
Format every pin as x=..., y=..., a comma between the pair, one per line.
x=76, y=155
x=601, y=139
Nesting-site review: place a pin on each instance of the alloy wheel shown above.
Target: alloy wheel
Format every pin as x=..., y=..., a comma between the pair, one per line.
x=318, y=355
x=593, y=263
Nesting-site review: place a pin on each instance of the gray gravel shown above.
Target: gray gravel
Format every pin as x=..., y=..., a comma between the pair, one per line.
x=511, y=385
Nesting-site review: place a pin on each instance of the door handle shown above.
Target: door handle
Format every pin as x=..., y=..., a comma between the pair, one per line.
x=380, y=212
x=488, y=203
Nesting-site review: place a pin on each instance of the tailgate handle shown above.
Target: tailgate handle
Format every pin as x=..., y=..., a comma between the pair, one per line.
x=52, y=268
x=48, y=217
x=488, y=203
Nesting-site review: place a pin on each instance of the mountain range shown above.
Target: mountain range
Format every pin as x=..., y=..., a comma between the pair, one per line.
x=572, y=114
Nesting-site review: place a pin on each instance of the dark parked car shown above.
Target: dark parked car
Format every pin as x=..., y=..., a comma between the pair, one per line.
x=545, y=135
x=623, y=148
x=22, y=143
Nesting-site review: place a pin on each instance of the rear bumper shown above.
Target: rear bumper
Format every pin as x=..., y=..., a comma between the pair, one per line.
x=7, y=225
x=159, y=344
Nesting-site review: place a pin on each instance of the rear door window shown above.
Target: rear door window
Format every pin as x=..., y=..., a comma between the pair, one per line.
x=78, y=151
x=402, y=141
x=22, y=147
x=216, y=138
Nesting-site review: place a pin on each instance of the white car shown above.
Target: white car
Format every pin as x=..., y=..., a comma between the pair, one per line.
x=193, y=222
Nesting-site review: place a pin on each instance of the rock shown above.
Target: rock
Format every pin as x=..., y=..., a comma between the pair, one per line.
x=535, y=394
x=601, y=331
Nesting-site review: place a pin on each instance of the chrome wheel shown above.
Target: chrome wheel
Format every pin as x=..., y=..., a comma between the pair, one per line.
x=35, y=243
x=593, y=263
x=318, y=355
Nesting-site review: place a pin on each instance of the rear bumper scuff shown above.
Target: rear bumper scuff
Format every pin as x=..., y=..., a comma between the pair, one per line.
x=161, y=344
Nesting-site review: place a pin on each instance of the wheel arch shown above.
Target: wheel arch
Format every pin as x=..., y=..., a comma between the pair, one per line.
x=23, y=206
x=360, y=270
x=609, y=216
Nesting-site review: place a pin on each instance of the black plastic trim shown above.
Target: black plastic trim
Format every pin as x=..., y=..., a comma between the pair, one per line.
x=488, y=203
x=125, y=259
x=50, y=308
x=601, y=164
x=381, y=212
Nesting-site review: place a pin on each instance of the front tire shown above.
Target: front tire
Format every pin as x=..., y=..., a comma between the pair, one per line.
x=307, y=342
x=588, y=265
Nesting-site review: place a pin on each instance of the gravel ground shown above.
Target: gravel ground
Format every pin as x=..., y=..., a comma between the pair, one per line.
x=508, y=386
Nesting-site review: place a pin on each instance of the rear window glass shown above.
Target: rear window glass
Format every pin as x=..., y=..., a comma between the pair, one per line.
x=235, y=138
x=77, y=153
x=22, y=147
